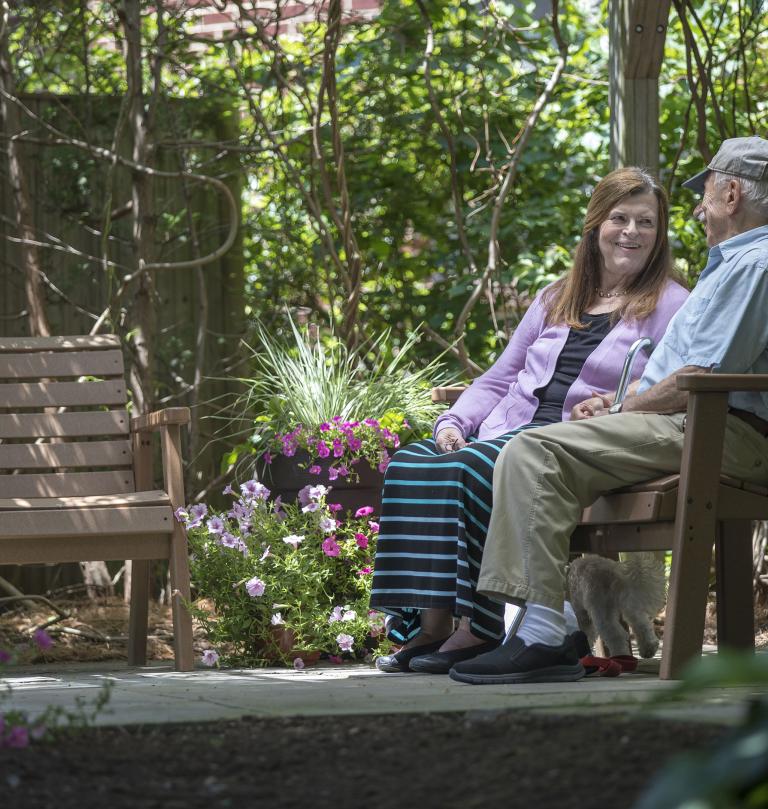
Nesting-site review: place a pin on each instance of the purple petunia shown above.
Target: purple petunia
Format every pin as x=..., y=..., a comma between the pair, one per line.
x=255, y=587
x=210, y=657
x=197, y=514
x=322, y=449
x=215, y=525
x=253, y=490
x=315, y=469
x=346, y=642
x=42, y=640
x=327, y=525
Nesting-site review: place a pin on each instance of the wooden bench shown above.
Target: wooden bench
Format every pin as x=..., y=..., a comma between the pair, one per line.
x=76, y=477
x=689, y=513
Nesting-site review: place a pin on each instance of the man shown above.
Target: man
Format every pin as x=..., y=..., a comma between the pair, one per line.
x=543, y=483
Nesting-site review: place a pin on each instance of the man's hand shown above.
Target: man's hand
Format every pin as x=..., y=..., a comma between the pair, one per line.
x=449, y=439
x=590, y=408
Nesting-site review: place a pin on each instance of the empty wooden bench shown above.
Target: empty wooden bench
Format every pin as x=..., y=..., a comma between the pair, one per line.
x=76, y=477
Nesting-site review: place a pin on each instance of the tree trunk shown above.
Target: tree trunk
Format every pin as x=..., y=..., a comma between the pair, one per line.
x=144, y=318
x=30, y=257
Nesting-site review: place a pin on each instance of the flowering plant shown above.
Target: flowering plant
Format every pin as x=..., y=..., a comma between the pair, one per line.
x=343, y=443
x=277, y=580
x=336, y=404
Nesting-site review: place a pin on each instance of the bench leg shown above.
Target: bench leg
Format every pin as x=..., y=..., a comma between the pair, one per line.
x=180, y=593
x=687, y=599
x=139, y=613
x=735, y=597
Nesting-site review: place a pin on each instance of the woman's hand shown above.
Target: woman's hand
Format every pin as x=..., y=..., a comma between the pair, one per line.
x=449, y=439
x=597, y=405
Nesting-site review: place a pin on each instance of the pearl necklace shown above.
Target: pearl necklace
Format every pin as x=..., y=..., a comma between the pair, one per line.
x=602, y=294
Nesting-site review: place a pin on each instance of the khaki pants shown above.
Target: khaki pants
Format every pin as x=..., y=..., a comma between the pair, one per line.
x=544, y=478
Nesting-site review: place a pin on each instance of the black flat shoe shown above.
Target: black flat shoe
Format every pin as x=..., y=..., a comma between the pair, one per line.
x=442, y=662
x=514, y=662
x=399, y=662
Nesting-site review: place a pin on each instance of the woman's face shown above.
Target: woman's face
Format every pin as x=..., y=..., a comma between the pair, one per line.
x=626, y=238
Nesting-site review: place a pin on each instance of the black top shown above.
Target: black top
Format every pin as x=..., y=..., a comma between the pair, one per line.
x=579, y=345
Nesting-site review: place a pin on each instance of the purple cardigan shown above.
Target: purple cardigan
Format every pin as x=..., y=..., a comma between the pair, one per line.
x=503, y=397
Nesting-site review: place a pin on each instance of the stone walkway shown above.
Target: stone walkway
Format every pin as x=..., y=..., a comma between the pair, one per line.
x=156, y=693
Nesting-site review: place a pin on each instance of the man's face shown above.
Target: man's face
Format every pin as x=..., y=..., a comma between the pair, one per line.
x=712, y=212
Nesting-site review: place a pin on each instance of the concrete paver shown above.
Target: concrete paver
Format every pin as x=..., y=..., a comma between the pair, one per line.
x=156, y=693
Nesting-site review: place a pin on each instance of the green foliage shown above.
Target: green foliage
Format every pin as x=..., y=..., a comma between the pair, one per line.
x=283, y=579
x=733, y=774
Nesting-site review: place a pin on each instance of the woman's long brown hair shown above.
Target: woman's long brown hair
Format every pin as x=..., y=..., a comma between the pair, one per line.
x=572, y=295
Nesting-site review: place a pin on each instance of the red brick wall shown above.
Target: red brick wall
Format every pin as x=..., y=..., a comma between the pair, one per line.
x=214, y=22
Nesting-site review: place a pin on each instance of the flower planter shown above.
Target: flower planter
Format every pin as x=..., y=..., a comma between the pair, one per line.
x=285, y=477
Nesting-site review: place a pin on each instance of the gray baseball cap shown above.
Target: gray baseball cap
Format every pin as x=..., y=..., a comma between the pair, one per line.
x=742, y=157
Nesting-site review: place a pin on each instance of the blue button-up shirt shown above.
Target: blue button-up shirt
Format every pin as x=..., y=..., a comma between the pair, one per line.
x=724, y=323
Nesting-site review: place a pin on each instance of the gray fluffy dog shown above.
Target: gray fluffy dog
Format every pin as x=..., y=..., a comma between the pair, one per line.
x=604, y=591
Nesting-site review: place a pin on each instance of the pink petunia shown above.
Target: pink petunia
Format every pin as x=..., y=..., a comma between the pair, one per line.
x=334, y=507
x=315, y=469
x=331, y=547
x=374, y=526
x=364, y=511
x=362, y=541
x=364, y=571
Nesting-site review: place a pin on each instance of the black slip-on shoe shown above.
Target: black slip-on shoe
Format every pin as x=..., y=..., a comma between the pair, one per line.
x=442, y=662
x=397, y=663
x=514, y=662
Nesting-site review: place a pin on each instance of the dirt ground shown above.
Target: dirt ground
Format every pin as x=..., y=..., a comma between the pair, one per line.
x=97, y=630
x=481, y=759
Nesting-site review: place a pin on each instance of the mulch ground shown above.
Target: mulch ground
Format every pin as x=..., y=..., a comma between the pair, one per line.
x=481, y=759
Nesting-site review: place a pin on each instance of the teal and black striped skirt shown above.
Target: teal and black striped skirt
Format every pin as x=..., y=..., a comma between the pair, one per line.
x=434, y=519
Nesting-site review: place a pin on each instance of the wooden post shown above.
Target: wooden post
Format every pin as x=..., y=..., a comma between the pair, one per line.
x=637, y=29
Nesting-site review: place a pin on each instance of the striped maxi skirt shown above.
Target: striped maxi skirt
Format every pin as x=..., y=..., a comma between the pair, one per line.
x=434, y=519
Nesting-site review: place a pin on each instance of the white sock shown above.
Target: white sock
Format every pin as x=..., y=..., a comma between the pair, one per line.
x=542, y=625
x=571, y=622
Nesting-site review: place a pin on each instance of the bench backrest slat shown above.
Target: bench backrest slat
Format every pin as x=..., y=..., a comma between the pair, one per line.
x=63, y=425
x=61, y=364
x=66, y=484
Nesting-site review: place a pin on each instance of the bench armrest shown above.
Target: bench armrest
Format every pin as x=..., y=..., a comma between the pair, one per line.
x=160, y=418
x=714, y=383
x=448, y=394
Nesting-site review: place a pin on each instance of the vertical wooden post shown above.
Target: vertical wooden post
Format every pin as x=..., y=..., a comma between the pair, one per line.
x=138, y=620
x=637, y=30
x=179, y=556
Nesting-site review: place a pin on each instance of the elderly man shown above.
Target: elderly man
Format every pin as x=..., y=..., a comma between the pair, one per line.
x=542, y=484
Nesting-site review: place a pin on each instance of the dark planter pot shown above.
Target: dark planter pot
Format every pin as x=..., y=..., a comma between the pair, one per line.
x=286, y=478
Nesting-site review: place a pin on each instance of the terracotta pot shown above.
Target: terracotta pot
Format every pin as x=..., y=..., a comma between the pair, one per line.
x=285, y=641
x=284, y=477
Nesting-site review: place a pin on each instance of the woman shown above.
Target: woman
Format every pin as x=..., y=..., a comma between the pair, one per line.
x=569, y=346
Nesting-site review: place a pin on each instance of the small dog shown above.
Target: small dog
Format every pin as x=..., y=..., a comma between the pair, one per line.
x=603, y=591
